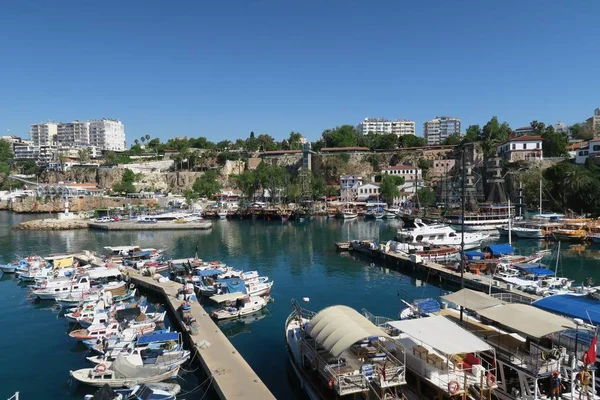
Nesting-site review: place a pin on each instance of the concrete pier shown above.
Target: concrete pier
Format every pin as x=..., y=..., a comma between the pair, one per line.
x=158, y=226
x=471, y=281
x=234, y=379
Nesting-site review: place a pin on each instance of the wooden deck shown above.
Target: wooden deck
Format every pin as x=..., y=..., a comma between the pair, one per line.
x=233, y=378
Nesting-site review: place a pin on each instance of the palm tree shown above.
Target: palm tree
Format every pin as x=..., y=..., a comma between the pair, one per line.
x=147, y=137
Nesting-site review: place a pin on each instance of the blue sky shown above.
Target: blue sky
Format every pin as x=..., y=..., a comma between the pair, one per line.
x=223, y=69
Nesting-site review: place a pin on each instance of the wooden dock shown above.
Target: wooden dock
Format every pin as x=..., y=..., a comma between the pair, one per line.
x=233, y=378
x=158, y=226
x=478, y=282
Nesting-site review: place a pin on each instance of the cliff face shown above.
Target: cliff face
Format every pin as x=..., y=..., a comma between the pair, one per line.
x=103, y=177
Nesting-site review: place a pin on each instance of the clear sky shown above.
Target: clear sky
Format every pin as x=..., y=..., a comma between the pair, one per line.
x=221, y=69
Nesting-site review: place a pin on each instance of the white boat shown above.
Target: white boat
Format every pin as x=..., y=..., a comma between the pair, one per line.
x=426, y=252
x=155, y=357
x=237, y=305
x=439, y=234
x=79, y=287
x=392, y=213
x=113, y=328
x=151, y=391
x=123, y=373
x=349, y=214
x=222, y=214
x=488, y=217
x=8, y=268
x=594, y=237
x=339, y=353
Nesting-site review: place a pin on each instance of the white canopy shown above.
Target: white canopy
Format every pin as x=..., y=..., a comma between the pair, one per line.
x=472, y=300
x=441, y=334
x=220, y=298
x=527, y=319
x=337, y=328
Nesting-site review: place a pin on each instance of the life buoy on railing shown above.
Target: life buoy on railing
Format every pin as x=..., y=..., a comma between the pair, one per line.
x=491, y=379
x=586, y=358
x=100, y=368
x=331, y=382
x=132, y=286
x=453, y=387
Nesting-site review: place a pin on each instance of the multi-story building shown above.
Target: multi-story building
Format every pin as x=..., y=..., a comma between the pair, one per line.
x=73, y=134
x=107, y=134
x=383, y=126
x=406, y=171
x=522, y=148
x=43, y=134
x=594, y=121
x=562, y=127
x=439, y=128
x=524, y=131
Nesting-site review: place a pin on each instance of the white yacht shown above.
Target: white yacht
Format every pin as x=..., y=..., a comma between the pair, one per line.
x=439, y=234
x=489, y=217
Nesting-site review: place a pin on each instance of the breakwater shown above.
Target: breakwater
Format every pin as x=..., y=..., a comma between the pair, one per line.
x=158, y=226
x=232, y=376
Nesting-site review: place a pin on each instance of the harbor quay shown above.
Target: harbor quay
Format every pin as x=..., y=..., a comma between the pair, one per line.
x=432, y=269
x=162, y=225
x=232, y=377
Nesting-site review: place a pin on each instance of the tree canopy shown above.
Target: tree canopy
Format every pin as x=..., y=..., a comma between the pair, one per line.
x=389, y=188
x=207, y=185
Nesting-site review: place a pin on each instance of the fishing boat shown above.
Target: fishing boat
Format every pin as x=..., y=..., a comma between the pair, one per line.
x=150, y=391
x=391, y=213
x=102, y=330
x=147, y=356
x=237, y=305
x=338, y=353
x=222, y=214
x=426, y=252
x=123, y=373
x=439, y=234
x=594, y=237
x=157, y=339
x=8, y=268
x=349, y=214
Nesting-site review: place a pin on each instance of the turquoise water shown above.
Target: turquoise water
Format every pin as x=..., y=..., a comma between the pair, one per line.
x=299, y=257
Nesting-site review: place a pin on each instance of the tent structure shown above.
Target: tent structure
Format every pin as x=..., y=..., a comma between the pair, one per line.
x=337, y=328
x=472, y=300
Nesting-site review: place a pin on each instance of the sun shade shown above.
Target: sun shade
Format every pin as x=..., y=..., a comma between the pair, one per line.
x=441, y=334
x=472, y=300
x=337, y=328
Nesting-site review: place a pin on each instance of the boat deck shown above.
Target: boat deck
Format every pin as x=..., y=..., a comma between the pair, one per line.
x=233, y=377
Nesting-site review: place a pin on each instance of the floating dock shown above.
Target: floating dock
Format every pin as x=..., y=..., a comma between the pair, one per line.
x=478, y=282
x=233, y=378
x=158, y=226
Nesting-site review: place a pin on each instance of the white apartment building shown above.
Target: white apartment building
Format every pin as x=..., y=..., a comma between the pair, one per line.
x=562, y=127
x=383, y=126
x=406, y=171
x=522, y=148
x=107, y=134
x=43, y=134
x=439, y=128
x=73, y=134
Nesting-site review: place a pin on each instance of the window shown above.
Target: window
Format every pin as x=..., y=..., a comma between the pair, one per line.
x=524, y=146
x=596, y=147
x=537, y=145
x=514, y=146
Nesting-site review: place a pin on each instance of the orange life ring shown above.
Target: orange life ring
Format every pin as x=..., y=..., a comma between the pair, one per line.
x=453, y=387
x=491, y=379
x=100, y=368
x=331, y=382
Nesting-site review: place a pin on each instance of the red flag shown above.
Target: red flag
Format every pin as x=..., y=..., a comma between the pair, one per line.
x=589, y=357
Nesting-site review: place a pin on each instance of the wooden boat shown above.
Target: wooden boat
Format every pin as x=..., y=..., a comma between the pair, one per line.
x=575, y=235
x=151, y=391
x=99, y=331
x=147, y=356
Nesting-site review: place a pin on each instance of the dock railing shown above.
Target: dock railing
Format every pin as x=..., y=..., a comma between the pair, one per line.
x=512, y=298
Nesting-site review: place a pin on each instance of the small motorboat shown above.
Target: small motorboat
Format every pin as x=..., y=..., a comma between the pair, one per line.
x=237, y=305
x=594, y=237
x=100, y=375
x=8, y=268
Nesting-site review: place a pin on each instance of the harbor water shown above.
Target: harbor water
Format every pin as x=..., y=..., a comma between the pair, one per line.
x=299, y=257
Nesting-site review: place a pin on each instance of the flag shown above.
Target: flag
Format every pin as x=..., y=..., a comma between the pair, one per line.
x=589, y=357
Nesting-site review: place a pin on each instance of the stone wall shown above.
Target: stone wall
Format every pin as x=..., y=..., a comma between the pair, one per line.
x=84, y=203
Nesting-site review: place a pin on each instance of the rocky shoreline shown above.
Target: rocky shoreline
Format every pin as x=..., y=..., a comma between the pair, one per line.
x=51, y=225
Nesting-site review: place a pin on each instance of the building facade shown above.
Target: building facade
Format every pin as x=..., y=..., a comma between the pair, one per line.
x=367, y=191
x=382, y=126
x=406, y=171
x=43, y=134
x=594, y=121
x=439, y=129
x=73, y=134
x=524, y=131
x=107, y=134
x=522, y=148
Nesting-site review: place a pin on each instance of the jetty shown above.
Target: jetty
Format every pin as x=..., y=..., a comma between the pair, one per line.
x=473, y=281
x=157, y=226
x=233, y=378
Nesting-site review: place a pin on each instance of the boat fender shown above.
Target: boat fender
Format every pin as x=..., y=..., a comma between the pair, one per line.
x=100, y=368
x=453, y=387
x=491, y=379
x=331, y=382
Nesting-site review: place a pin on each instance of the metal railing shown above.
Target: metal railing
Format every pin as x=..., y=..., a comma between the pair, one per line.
x=513, y=298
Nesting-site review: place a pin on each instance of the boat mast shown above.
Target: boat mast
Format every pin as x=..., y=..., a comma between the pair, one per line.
x=540, y=195
x=462, y=231
x=557, y=258
x=509, y=224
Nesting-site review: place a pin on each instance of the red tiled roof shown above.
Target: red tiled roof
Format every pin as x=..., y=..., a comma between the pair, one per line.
x=578, y=145
x=345, y=149
x=282, y=152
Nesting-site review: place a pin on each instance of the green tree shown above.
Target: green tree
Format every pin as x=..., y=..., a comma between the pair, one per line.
x=147, y=137
x=294, y=140
x=293, y=192
x=84, y=155
x=110, y=157
x=341, y=136
x=493, y=133
x=136, y=149
x=318, y=186
x=154, y=144
x=224, y=145
x=389, y=189
x=426, y=197
x=126, y=185
x=411, y=141
x=5, y=151
x=473, y=134
x=554, y=144
x=272, y=178
x=538, y=127
x=266, y=142
x=453, y=140
x=207, y=185
x=248, y=182
x=386, y=141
